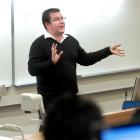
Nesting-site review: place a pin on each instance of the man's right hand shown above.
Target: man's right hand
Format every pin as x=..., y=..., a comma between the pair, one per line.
x=55, y=55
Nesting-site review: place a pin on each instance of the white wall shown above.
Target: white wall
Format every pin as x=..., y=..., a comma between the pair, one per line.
x=5, y=43
x=96, y=24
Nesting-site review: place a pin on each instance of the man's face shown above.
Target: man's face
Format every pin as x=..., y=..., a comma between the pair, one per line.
x=56, y=26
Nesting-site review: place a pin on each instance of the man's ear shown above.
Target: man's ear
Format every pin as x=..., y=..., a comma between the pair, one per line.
x=47, y=24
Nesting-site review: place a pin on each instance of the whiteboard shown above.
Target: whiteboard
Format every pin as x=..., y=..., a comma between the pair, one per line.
x=96, y=24
x=5, y=43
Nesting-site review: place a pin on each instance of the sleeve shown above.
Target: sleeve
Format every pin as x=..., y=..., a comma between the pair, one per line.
x=90, y=58
x=37, y=64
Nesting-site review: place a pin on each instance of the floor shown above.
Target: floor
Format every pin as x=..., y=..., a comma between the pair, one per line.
x=13, y=115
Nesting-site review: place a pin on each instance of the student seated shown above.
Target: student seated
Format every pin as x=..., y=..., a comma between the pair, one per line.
x=72, y=118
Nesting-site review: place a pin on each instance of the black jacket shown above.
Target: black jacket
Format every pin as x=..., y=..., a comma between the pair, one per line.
x=62, y=76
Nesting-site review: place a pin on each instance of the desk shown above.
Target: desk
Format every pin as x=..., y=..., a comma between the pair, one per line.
x=119, y=117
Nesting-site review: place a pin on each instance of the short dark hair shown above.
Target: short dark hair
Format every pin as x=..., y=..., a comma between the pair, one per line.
x=72, y=118
x=136, y=116
x=46, y=14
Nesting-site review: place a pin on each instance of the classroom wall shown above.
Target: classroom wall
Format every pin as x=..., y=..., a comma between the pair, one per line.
x=108, y=100
x=105, y=87
x=95, y=24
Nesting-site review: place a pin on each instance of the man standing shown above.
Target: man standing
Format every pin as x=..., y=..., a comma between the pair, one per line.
x=53, y=57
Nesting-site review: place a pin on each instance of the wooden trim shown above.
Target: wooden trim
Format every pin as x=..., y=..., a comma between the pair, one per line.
x=119, y=117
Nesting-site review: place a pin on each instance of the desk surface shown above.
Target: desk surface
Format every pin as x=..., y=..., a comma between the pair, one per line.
x=119, y=117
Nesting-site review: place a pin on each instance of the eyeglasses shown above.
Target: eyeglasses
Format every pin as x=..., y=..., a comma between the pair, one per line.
x=58, y=19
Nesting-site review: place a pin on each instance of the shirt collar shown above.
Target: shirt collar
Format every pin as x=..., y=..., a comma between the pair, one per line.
x=48, y=35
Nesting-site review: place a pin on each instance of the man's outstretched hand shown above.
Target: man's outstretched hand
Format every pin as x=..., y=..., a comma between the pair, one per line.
x=117, y=50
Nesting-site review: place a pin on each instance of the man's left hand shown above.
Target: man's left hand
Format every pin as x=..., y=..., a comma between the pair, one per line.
x=117, y=50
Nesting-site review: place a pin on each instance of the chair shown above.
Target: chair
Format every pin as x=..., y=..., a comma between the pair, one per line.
x=136, y=90
x=11, y=127
x=135, y=99
x=32, y=102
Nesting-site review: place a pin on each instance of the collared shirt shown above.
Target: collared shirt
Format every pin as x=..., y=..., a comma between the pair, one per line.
x=48, y=35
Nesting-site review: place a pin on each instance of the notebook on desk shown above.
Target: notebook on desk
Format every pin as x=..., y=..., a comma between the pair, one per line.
x=121, y=132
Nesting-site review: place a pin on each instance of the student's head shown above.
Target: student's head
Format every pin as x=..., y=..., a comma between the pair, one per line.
x=72, y=118
x=53, y=21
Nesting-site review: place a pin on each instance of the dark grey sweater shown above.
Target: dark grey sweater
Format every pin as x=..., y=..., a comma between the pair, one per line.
x=62, y=76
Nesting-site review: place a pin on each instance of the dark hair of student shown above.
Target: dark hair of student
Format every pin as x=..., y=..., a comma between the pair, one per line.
x=136, y=116
x=72, y=118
